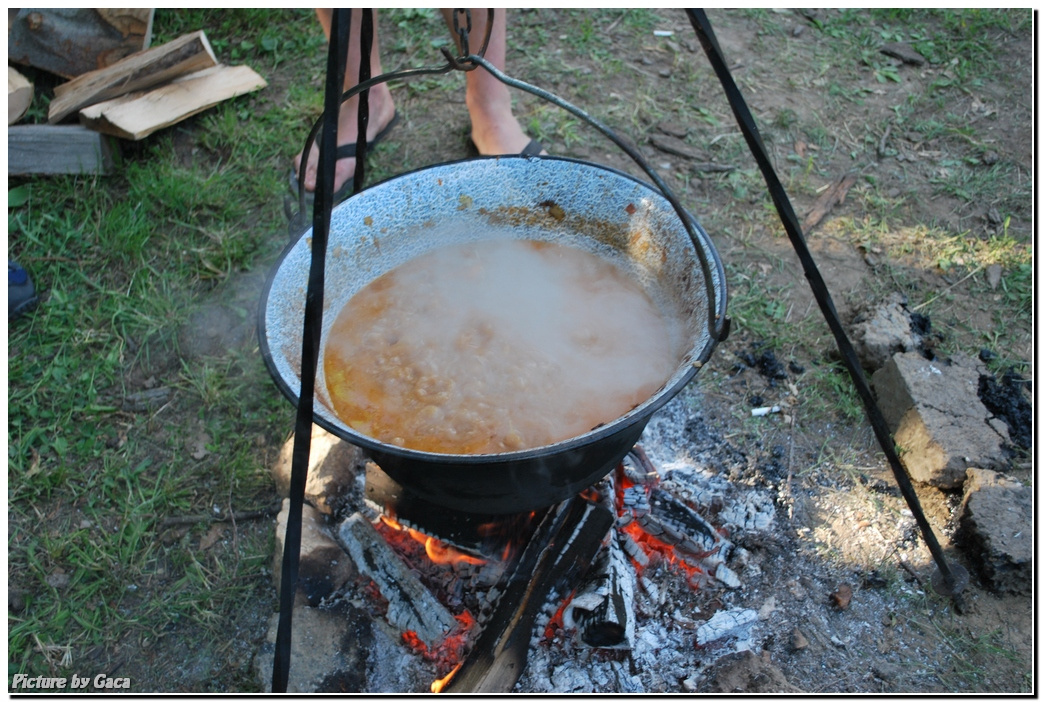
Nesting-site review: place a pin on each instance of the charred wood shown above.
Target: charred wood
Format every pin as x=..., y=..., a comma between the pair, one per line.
x=641, y=462
x=484, y=534
x=602, y=609
x=411, y=607
x=676, y=524
x=558, y=554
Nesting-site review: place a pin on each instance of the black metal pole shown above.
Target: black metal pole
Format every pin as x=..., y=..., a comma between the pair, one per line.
x=746, y=122
x=337, y=66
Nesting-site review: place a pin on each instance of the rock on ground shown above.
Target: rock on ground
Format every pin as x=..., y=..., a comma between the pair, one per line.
x=748, y=673
x=937, y=419
x=330, y=473
x=324, y=566
x=887, y=329
x=327, y=647
x=996, y=529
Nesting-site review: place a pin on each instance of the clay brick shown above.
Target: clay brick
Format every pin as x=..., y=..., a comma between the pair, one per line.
x=996, y=529
x=937, y=418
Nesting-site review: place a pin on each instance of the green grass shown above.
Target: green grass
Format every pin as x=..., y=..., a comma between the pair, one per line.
x=972, y=655
x=121, y=260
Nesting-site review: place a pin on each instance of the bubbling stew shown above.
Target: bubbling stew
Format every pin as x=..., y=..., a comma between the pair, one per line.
x=495, y=346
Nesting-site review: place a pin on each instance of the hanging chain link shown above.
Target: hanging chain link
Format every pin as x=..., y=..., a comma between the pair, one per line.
x=463, y=32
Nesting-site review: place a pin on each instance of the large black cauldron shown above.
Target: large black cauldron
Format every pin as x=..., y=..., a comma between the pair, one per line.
x=553, y=199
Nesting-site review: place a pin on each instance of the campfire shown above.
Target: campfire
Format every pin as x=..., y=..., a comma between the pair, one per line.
x=495, y=603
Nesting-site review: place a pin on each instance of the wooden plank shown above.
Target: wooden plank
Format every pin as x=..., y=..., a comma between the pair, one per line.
x=554, y=560
x=19, y=95
x=138, y=115
x=143, y=70
x=43, y=149
x=69, y=42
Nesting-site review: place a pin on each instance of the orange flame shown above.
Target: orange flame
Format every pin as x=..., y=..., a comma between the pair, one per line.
x=436, y=550
x=557, y=620
x=391, y=522
x=440, y=683
x=443, y=554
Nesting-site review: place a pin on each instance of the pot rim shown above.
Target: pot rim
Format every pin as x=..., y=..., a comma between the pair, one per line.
x=640, y=413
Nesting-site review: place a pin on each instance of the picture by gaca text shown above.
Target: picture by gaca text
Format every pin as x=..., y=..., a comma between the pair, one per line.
x=21, y=681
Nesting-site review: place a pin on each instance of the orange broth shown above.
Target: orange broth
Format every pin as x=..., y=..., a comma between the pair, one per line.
x=495, y=346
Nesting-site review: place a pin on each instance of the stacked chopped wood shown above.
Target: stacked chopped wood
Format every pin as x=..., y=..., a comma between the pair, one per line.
x=130, y=98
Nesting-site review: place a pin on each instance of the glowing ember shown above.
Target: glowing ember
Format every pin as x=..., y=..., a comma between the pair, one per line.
x=447, y=655
x=652, y=545
x=437, y=551
x=557, y=620
x=648, y=543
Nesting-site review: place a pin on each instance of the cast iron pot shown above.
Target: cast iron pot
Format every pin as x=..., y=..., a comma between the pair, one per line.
x=545, y=198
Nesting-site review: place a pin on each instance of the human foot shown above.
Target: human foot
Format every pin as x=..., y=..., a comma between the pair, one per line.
x=500, y=137
x=382, y=117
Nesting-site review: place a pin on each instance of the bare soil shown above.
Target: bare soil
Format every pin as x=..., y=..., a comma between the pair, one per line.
x=841, y=519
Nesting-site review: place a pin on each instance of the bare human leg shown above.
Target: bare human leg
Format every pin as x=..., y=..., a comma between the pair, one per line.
x=381, y=104
x=494, y=129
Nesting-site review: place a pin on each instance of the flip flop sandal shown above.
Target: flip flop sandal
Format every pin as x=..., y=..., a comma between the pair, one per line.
x=342, y=151
x=532, y=148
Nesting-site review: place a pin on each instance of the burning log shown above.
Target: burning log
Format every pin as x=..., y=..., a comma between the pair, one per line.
x=559, y=552
x=469, y=531
x=411, y=606
x=602, y=611
x=678, y=525
x=666, y=522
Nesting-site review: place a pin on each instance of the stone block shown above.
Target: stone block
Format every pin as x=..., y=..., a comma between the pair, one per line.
x=996, y=529
x=328, y=650
x=937, y=419
x=331, y=471
x=324, y=567
x=879, y=333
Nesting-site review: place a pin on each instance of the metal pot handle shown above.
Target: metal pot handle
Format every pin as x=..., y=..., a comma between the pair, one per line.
x=719, y=323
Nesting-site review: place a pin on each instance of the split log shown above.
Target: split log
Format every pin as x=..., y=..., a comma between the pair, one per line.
x=558, y=554
x=186, y=54
x=137, y=115
x=44, y=149
x=71, y=42
x=19, y=95
x=411, y=607
x=602, y=609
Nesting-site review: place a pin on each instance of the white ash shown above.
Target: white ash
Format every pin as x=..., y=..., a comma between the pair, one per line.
x=672, y=635
x=672, y=638
x=390, y=665
x=727, y=623
x=685, y=459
